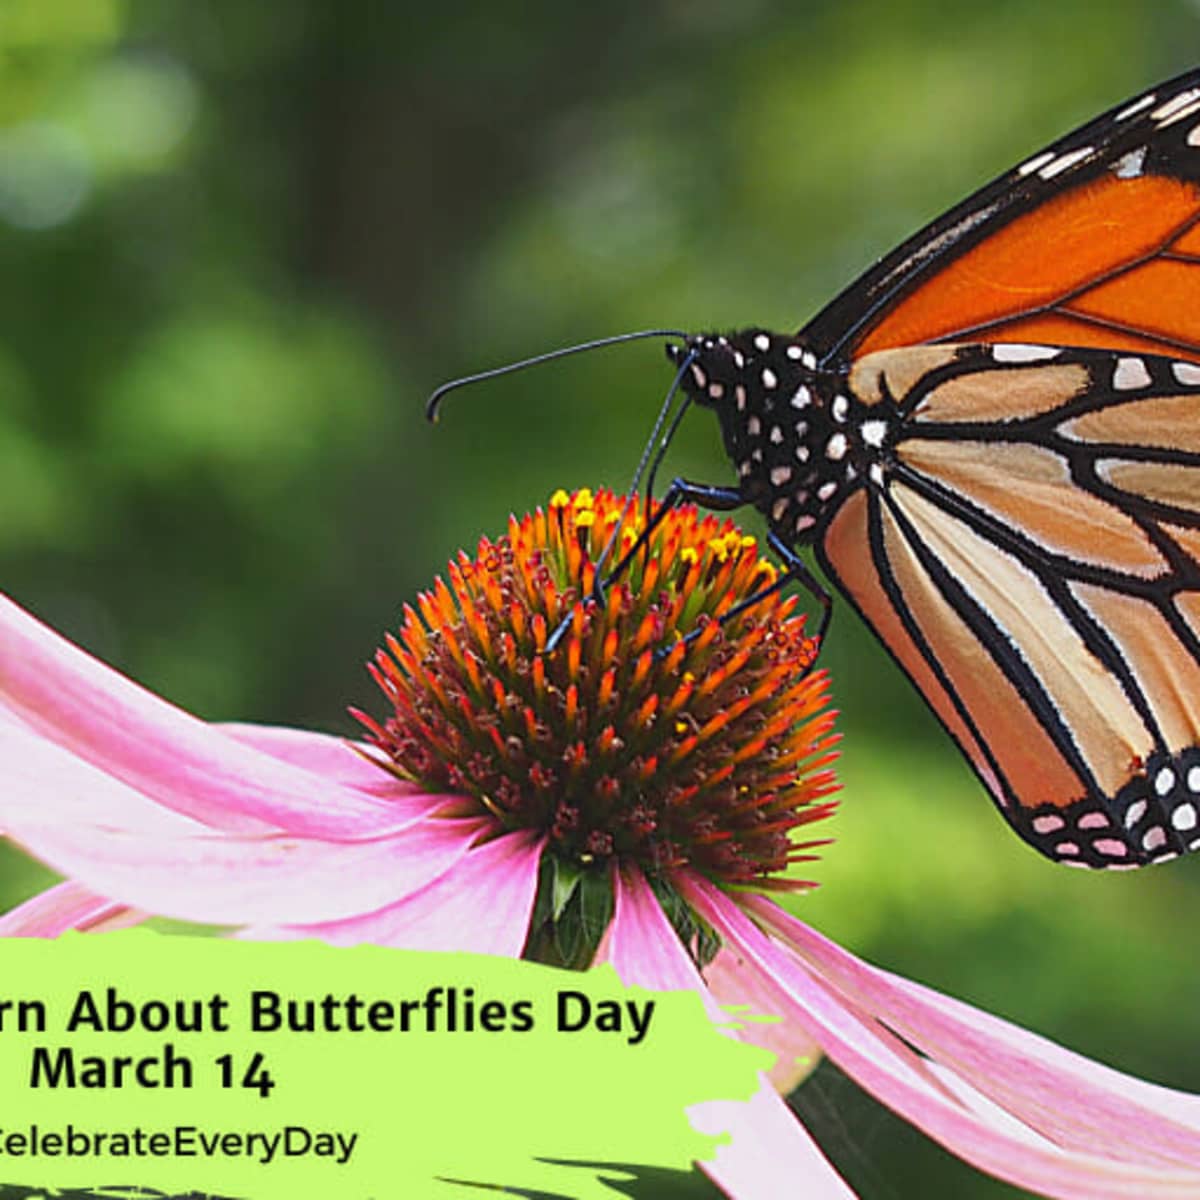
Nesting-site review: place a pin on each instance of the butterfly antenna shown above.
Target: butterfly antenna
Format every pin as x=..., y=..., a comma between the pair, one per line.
x=635, y=483
x=668, y=437
x=434, y=402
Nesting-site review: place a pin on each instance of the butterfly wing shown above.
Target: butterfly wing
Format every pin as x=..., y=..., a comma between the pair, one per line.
x=1030, y=555
x=1095, y=241
x=1027, y=544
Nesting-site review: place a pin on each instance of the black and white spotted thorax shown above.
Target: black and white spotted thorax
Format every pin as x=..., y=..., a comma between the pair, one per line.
x=797, y=436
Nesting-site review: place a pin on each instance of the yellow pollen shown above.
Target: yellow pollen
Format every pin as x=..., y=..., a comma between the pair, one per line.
x=681, y=727
x=719, y=549
x=689, y=555
x=585, y=518
x=560, y=499
x=767, y=569
x=584, y=498
x=748, y=540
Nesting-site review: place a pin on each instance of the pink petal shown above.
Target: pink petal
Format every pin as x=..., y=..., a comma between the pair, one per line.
x=771, y=1153
x=643, y=946
x=44, y=782
x=181, y=762
x=482, y=905
x=861, y=1048
x=738, y=988
x=1072, y=1101
x=66, y=906
x=228, y=879
x=340, y=761
x=1179, y=1107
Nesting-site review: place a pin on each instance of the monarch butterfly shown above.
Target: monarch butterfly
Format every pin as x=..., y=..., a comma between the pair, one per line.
x=992, y=442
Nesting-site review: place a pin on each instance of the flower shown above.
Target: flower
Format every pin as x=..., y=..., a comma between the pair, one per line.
x=627, y=797
x=636, y=743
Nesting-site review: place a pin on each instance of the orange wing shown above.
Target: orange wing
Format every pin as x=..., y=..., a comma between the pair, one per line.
x=1093, y=242
x=1109, y=264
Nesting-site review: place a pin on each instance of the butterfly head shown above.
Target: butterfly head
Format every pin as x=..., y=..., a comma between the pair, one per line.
x=782, y=421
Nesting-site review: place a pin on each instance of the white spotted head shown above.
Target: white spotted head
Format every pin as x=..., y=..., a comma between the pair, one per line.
x=788, y=428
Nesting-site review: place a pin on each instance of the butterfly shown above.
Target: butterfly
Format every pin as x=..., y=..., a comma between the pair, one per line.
x=991, y=441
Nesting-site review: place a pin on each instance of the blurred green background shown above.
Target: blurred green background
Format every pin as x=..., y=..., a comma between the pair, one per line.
x=240, y=242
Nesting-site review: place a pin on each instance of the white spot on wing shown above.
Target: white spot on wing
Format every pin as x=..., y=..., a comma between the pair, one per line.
x=873, y=432
x=780, y=475
x=1177, y=107
x=762, y=342
x=1130, y=373
x=1129, y=166
x=1193, y=137
x=1135, y=107
x=802, y=398
x=776, y=435
x=841, y=406
x=1060, y=164
x=1019, y=352
x=769, y=379
x=1176, y=102
x=793, y=352
x=1187, y=373
x=1184, y=817
x=1033, y=164
x=835, y=448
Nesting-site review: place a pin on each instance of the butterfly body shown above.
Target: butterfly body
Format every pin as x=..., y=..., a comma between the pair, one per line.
x=992, y=444
x=786, y=425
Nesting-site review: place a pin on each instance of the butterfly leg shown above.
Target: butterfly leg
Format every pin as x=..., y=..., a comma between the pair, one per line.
x=681, y=491
x=795, y=570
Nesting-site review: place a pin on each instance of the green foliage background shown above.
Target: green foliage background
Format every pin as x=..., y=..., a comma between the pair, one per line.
x=240, y=242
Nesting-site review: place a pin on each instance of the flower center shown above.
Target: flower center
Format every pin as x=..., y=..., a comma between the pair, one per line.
x=653, y=732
